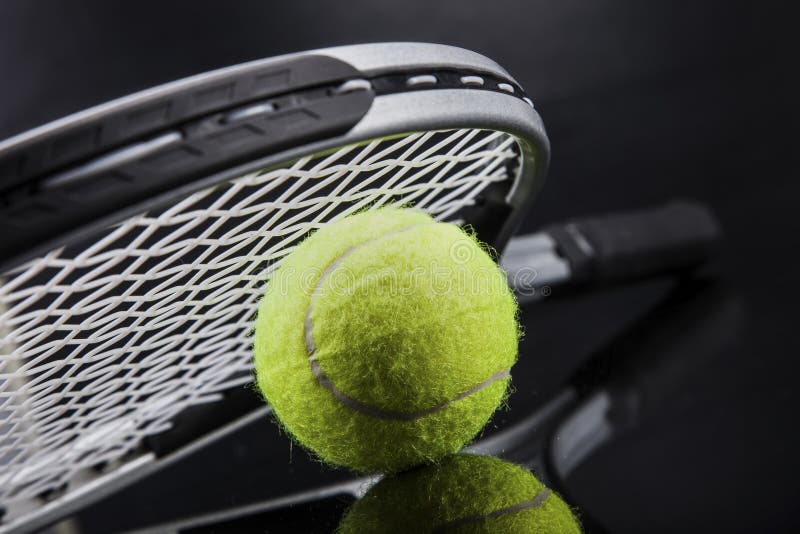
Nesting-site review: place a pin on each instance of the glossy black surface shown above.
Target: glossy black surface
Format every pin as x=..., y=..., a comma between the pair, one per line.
x=643, y=101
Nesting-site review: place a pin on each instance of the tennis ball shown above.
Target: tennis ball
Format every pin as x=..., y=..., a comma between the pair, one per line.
x=385, y=340
x=463, y=494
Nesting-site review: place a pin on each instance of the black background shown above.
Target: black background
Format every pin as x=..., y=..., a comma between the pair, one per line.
x=643, y=102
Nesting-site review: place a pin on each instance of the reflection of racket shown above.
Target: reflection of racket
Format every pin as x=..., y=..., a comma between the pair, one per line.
x=618, y=389
x=621, y=387
x=138, y=235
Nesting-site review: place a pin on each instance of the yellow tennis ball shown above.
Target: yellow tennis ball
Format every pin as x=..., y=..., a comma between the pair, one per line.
x=463, y=494
x=385, y=340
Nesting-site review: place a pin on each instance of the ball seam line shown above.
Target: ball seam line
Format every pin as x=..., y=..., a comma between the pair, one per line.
x=536, y=502
x=354, y=404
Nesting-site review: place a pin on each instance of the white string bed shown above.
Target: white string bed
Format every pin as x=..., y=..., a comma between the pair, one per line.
x=103, y=343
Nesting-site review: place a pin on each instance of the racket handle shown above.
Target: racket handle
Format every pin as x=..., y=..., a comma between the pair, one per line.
x=624, y=247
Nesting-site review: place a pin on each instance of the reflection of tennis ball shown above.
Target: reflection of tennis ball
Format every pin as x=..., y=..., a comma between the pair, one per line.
x=385, y=340
x=462, y=494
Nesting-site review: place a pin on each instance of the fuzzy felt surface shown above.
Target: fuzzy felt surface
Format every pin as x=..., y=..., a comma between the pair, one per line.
x=462, y=494
x=406, y=316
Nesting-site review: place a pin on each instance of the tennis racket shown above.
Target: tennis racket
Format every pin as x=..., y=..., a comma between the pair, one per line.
x=137, y=237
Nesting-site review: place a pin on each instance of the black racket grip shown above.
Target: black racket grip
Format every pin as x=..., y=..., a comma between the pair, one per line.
x=624, y=247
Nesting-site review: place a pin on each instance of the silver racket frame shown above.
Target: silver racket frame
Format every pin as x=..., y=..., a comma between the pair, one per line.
x=421, y=108
x=388, y=115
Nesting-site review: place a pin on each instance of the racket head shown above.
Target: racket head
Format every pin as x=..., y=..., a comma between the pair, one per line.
x=92, y=167
x=141, y=233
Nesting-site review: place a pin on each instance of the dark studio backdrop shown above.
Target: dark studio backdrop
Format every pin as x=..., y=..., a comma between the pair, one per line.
x=643, y=101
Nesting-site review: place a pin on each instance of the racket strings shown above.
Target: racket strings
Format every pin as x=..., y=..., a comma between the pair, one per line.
x=105, y=342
